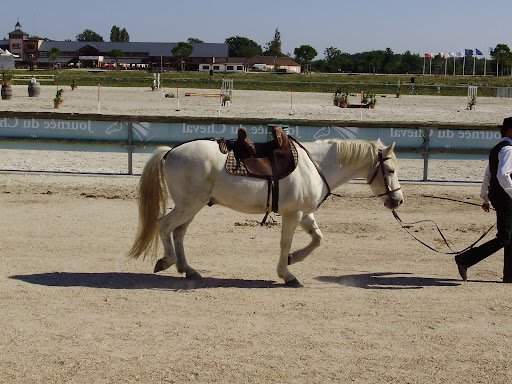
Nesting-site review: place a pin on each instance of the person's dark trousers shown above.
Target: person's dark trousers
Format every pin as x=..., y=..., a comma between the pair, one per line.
x=507, y=264
x=502, y=203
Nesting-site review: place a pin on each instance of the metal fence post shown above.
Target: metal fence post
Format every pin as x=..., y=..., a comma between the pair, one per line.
x=130, y=148
x=426, y=153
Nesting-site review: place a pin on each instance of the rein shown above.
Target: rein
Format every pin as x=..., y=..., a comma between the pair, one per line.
x=406, y=225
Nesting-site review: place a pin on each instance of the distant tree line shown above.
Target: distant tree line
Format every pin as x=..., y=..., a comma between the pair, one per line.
x=336, y=61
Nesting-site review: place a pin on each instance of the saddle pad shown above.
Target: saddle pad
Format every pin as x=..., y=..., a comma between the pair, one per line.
x=236, y=166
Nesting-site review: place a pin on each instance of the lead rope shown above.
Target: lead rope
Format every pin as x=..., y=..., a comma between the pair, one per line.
x=405, y=227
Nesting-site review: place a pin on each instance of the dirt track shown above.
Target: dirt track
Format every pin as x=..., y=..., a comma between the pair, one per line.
x=376, y=306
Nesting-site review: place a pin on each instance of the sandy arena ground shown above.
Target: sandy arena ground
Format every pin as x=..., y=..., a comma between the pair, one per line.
x=376, y=307
x=263, y=104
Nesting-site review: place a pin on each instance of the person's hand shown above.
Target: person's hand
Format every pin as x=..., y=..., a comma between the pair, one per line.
x=486, y=207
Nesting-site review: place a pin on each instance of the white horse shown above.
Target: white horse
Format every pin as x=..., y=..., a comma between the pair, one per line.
x=195, y=175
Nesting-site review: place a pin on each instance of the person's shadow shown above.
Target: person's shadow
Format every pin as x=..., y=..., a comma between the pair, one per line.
x=388, y=280
x=122, y=280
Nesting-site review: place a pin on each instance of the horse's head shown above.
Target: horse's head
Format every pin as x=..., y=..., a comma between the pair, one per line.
x=383, y=178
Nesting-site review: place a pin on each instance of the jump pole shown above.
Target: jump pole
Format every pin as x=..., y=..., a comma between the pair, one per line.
x=220, y=100
x=361, y=106
x=178, y=95
x=291, y=101
x=99, y=87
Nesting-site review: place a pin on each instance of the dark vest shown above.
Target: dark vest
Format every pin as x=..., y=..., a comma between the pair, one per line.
x=494, y=185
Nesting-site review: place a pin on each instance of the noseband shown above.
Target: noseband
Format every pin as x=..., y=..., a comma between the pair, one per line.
x=380, y=165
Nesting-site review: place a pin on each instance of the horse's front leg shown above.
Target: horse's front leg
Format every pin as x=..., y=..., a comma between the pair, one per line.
x=309, y=225
x=290, y=222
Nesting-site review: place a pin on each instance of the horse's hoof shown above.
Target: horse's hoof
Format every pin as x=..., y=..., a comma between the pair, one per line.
x=193, y=275
x=159, y=266
x=294, y=283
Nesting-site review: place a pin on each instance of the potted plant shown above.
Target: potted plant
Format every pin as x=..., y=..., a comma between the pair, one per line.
x=398, y=92
x=343, y=100
x=73, y=84
x=372, y=100
x=6, y=85
x=6, y=77
x=57, y=101
x=365, y=98
x=335, y=98
x=472, y=102
x=226, y=100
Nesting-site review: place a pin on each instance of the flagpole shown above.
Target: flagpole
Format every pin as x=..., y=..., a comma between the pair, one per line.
x=423, y=64
x=454, y=58
x=474, y=62
x=463, y=64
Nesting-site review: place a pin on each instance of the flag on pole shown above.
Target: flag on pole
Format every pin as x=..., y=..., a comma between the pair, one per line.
x=460, y=54
x=468, y=52
x=428, y=55
x=478, y=52
x=490, y=50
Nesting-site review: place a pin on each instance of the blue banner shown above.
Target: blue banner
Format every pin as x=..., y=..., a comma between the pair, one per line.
x=152, y=133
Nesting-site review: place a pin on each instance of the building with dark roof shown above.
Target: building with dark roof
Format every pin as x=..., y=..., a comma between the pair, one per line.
x=33, y=52
x=211, y=57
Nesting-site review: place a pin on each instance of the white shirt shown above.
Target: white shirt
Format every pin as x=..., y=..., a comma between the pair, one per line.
x=503, y=175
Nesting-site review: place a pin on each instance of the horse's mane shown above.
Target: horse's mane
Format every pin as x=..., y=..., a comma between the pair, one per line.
x=356, y=151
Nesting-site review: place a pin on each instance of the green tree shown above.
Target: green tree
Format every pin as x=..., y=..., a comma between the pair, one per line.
x=331, y=53
x=54, y=54
x=124, y=37
x=274, y=46
x=304, y=54
x=115, y=54
x=115, y=34
x=374, y=59
x=410, y=63
x=182, y=51
x=237, y=44
x=119, y=35
x=503, y=57
x=88, y=35
x=193, y=40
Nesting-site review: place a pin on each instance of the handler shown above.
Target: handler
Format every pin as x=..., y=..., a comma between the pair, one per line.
x=496, y=188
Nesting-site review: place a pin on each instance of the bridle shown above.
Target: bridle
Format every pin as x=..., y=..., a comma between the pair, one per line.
x=380, y=165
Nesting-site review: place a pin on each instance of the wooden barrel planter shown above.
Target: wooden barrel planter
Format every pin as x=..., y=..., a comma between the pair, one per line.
x=6, y=92
x=34, y=89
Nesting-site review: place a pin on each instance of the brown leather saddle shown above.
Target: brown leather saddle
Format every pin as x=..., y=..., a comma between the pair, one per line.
x=272, y=160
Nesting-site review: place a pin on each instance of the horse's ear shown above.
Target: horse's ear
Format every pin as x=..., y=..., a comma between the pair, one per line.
x=386, y=151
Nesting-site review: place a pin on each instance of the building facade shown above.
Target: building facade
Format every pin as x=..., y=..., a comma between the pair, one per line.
x=34, y=52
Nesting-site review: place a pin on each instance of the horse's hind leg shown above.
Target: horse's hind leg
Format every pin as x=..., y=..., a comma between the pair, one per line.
x=309, y=225
x=181, y=263
x=167, y=225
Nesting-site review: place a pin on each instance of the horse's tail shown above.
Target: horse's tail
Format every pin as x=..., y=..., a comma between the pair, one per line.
x=152, y=195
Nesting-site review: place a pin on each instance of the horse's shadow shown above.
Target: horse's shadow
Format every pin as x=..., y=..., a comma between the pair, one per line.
x=120, y=280
x=388, y=280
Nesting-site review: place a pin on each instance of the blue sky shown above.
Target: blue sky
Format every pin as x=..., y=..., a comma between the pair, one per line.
x=427, y=26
